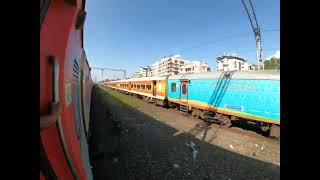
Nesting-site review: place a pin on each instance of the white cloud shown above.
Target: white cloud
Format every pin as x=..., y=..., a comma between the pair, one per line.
x=276, y=55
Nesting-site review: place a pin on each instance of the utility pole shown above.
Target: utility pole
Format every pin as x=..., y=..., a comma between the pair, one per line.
x=256, y=30
x=110, y=69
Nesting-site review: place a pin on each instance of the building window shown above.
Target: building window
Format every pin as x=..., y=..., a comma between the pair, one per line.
x=148, y=87
x=184, y=89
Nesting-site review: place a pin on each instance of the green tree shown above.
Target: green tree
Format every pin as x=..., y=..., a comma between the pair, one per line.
x=272, y=64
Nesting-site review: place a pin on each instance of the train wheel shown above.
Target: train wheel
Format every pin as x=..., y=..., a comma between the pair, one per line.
x=195, y=113
x=223, y=120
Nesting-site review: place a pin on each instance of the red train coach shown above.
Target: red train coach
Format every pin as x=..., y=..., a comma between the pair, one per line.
x=65, y=82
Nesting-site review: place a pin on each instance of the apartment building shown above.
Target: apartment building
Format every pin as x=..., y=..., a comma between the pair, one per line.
x=194, y=67
x=142, y=72
x=168, y=65
x=231, y=63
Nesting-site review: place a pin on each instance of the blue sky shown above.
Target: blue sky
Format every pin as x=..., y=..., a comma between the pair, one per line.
x=131, y=33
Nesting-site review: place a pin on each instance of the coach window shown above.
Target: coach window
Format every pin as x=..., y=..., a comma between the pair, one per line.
x=138, y=86
x=148, y=87
x=173, y=87
x=131, y=85
x=143, y=86
x=135, y=86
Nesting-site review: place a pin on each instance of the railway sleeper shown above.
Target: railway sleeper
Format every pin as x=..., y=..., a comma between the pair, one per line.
x=159, y=102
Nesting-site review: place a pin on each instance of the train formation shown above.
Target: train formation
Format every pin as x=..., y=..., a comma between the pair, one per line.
x=225, y=97
x=65, y=78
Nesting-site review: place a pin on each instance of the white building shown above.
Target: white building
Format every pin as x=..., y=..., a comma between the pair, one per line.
x=194, y=67
x=253, y=67
x=155, y=68
x=168, y=65
x=142, y=72
x=231, y=63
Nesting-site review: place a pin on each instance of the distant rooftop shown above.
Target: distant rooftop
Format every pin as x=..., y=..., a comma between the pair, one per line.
x=230, y=57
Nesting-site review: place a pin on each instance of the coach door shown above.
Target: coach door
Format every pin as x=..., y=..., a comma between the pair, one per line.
x=184, y=91
x=154, y=88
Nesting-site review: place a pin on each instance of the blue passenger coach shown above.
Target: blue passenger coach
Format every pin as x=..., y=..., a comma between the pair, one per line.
x=252, y=95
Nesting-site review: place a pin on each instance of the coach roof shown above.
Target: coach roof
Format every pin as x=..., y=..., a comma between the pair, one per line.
x=261, y=74
x=142, y=79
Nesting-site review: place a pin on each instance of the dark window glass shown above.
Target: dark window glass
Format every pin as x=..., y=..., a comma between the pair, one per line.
x=44, y=5
x=148, y=87
x=138, y=86
x=173, y=87
x=184, y=89
x=143, y=86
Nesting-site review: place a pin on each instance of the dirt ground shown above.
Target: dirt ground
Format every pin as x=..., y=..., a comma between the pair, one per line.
x=132, y=139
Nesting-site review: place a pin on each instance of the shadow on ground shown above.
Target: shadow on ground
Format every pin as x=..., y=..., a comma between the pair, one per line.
x=145, y=148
